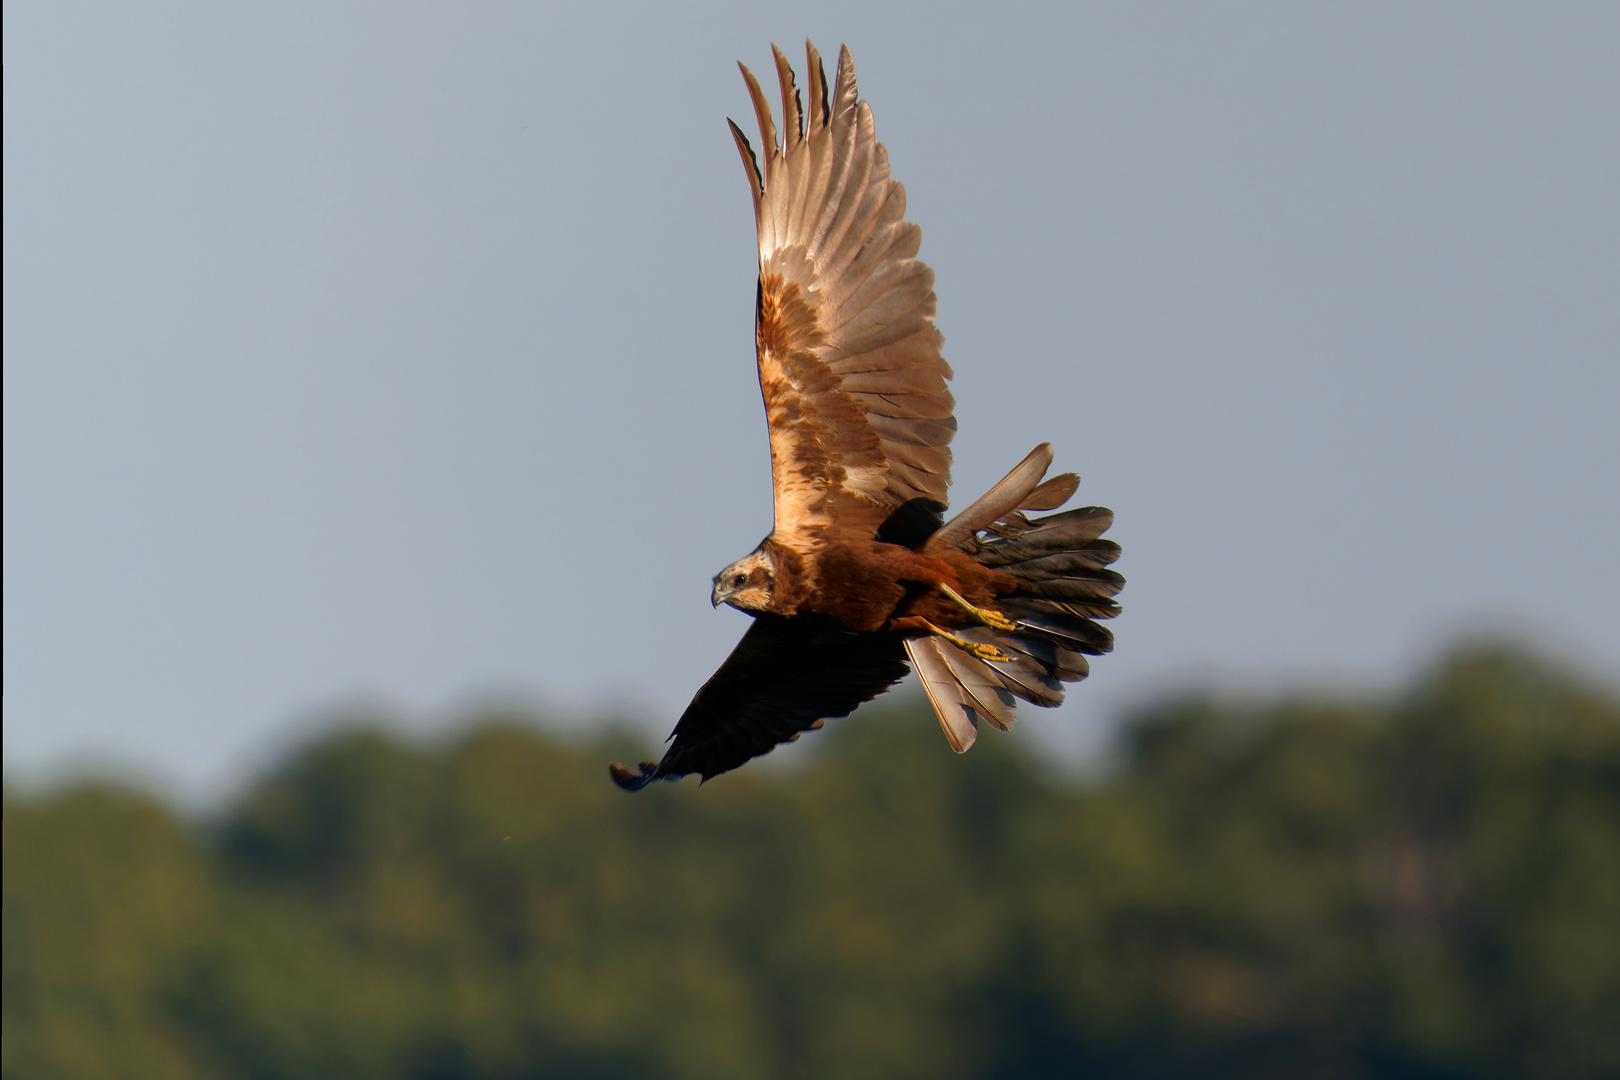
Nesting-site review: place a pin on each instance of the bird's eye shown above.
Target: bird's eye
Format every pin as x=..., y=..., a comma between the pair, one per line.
x=739, y=581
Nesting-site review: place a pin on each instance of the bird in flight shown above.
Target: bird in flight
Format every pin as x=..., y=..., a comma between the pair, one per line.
x=861, y=572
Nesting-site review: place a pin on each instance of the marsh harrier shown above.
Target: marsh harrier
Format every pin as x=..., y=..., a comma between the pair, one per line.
x=861, y=572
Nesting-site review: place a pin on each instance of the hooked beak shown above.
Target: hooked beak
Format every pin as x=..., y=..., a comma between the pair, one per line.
x=720, y=594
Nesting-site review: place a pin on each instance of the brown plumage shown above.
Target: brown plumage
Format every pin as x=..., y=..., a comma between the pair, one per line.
x=858, y=572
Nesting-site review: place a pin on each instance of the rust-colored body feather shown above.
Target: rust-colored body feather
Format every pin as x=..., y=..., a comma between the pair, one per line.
x=872, y=586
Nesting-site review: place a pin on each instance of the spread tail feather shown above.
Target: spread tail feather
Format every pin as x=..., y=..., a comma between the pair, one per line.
x=1065, y=586
x=962, y=688
x=1008, y=495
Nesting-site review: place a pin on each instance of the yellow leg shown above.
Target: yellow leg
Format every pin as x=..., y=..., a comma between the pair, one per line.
x=984, y=615
x=983, y=652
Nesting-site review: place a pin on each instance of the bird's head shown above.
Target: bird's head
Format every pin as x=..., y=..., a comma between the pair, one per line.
x=746, y=584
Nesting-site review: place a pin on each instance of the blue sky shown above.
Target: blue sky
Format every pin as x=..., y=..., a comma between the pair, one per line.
x=397, y=358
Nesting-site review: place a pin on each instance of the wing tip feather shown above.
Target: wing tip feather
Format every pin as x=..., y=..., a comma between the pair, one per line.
x=632, y=780
x=817, y=74
x=792, y=106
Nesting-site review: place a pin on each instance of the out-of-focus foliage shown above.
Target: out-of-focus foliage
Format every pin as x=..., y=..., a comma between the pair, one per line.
x=1430, y=889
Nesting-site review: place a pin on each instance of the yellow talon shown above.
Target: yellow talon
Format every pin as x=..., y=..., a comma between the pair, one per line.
x=985, y=615
x=973, y=648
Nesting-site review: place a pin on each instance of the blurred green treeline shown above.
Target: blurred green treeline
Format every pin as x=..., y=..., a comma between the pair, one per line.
x=1427, y=888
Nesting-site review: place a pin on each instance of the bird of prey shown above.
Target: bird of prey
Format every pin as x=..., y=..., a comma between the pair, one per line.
x=861, y=572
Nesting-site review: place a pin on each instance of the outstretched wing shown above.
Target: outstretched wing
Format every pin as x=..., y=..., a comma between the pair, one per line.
x=785, y=676
x=849, y=357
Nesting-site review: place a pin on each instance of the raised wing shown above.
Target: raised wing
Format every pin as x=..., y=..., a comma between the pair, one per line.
x=785, y=676
x=849, y=357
